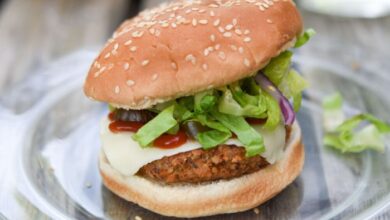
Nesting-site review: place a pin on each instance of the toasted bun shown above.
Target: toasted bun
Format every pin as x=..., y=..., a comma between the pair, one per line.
x=185, y=47
x=224, y=196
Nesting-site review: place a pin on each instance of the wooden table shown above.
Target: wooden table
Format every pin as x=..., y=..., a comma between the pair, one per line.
x=36, y=32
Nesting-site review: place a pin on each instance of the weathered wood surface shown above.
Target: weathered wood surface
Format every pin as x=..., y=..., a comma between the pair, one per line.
x=33, y=33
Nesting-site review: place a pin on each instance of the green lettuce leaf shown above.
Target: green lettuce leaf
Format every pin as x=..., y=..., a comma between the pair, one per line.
x=358, y=133
x=250, y=107
x=205, y=101
x=217, y=134
x=278, y=67
x=273, y=112
x=292, y=86
x=156, y=127
x=304, y=38
x=333, y=114
x=251, y=139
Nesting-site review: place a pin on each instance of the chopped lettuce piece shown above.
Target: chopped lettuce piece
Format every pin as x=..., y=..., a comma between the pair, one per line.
x=252, y=140
x=217, y=134
x=156, y=127
x=278, y=67
x=333, y=114
x=304, y=38
x=205, y=101
x=292, y=86
x=358, y=133
x=273, y=112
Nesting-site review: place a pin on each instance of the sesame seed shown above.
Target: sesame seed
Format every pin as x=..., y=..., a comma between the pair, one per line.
x=233, y=47
x=195, y=9
x=212, y=13
x=222, y=55
x=126, y=66
x=234, y=22
x=116, y=46
x=203, y=21
x=188, y=11
x=247, y=32
x=173, y=25
x=152, y=30
x=128, y=42
x=227, y=34
x=221, y=29
x=241, y=50
x=205, y=67
x=246, y=62
x=114, y=52
x=164, y=25
x=117, y=89
x=194, y=22
x=174, y=66
x=217, y=46
x=107, y=55
x=269, y=2
x=229, y=27
x=211, y=49
x=212, y=37
x=202, y=11
x=238, y=31
x=137, y=33
x=145, y=62
x=216, y=22
x=269, y=21
x=213, y=6
x=133, y=48
x=158, y=32
x=190, y=58
x=206, y=52
x=130, y=82
x=154, y=77
x=247, y=39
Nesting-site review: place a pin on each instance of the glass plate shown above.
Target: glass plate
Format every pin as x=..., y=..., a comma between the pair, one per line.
x=49, y=149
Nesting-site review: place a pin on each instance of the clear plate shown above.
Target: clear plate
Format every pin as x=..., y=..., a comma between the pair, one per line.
x=49, y=149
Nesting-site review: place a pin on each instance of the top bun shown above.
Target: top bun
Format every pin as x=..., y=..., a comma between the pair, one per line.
x=185, y=47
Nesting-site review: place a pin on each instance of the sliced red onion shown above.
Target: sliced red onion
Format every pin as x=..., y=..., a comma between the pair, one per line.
x=285, y=105
x=134, y=115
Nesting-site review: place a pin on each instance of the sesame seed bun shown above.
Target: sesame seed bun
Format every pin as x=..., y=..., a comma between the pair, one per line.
x=224, y=196
x=184, y=47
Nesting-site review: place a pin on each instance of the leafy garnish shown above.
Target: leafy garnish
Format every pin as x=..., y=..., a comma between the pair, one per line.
x=304, y=38
x=358, y=133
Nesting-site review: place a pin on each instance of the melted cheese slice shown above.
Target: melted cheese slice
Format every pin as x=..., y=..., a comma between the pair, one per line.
x=127, y=157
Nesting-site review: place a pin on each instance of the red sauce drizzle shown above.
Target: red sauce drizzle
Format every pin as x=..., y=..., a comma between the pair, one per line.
x=169, y=141
x=111, y=116
x=119, y=126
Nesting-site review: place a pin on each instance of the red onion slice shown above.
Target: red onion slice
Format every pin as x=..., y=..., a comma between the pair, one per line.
x=285, y=105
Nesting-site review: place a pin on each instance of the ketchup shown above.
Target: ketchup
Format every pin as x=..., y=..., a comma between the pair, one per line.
x=111, y=116
x=169, y=141
x=119, y=126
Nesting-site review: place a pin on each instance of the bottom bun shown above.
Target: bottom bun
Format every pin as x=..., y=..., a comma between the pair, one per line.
x=204, y=199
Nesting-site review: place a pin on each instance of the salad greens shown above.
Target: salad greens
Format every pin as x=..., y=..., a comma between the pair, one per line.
x=358, y=133
x=223, y=111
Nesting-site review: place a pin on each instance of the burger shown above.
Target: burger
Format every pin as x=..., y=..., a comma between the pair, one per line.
x=202, y=101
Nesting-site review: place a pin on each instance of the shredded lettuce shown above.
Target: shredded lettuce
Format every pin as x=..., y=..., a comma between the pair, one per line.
x=278, y=67
x=304, y=38
x=156, y=127
x=358, y=133
x=333, y=114
x=292, y=86
x=223, y=110
x=252, y=140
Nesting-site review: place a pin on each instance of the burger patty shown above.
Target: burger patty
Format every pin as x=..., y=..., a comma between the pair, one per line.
x=196, y=166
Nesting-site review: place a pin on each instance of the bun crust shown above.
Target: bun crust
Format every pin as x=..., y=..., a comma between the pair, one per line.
x=185, y=47
x=224, y=196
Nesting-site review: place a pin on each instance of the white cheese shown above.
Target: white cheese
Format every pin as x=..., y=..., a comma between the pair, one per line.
x=127, y=157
